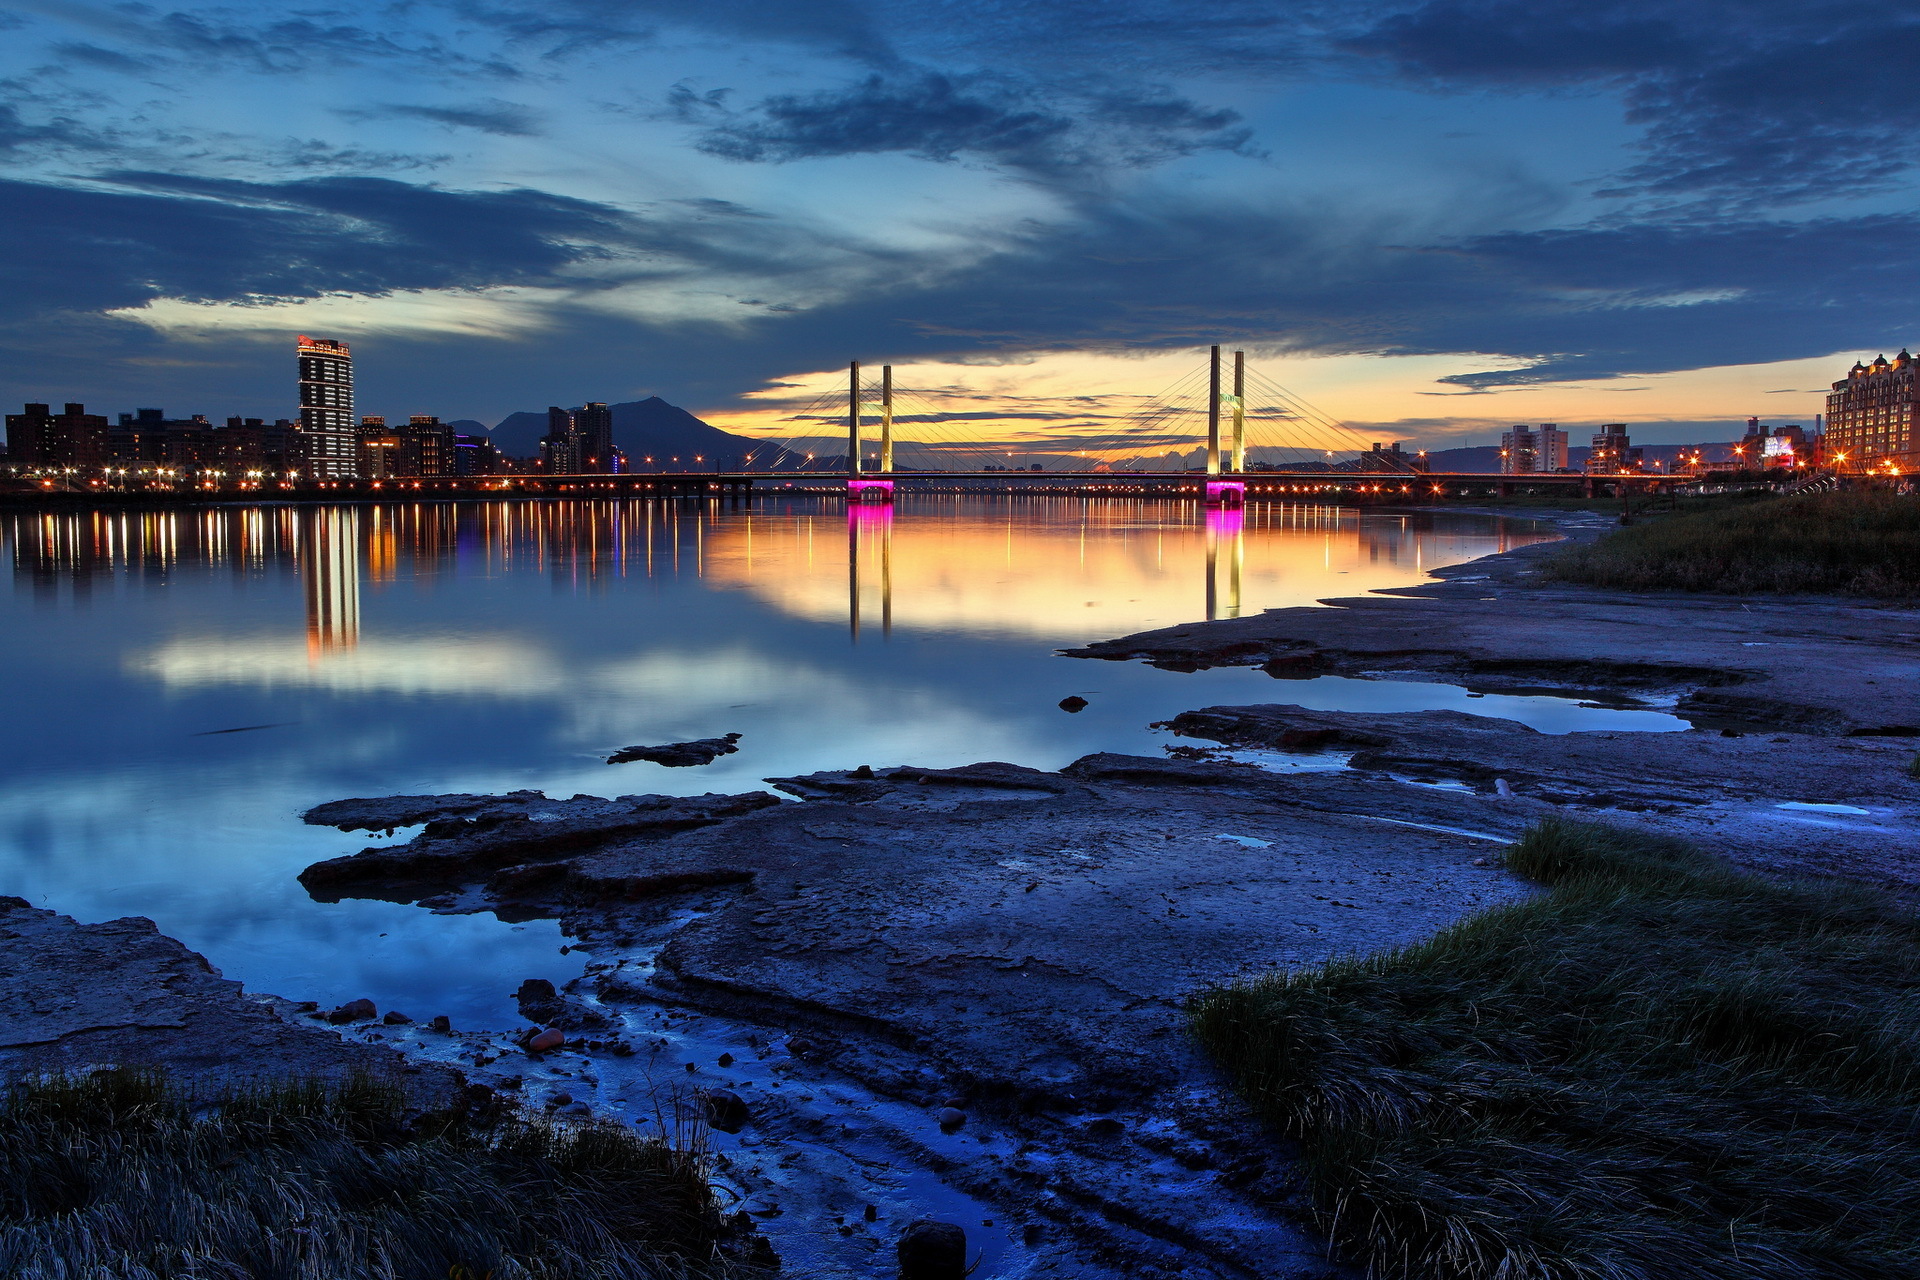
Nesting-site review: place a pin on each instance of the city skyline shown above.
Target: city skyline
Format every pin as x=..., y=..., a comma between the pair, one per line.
x=1433, y=220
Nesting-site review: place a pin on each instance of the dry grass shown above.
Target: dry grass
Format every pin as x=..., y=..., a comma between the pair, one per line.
x=1856, y=542
x=115, y=1176
x=1661, y=1068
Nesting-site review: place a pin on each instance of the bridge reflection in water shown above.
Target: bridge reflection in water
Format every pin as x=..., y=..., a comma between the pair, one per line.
x=1226, y=541
x=870, y=537
x=1053, y=570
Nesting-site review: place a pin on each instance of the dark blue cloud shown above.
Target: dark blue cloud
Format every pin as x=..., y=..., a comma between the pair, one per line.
x=136, y=39
x=502, y=119
x=1767, y=103
x=18, y=135
x=844, y=27
x=92, y=55
x=158, y=235
x=944, y=118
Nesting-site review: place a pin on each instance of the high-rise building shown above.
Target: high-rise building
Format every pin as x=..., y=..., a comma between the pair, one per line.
x=475, y=456
x=1870, y=417
x=1526, y=450
x=1518, y=448
x=1551, y=452
x=1613, y=452
x=561, y=449
x=426, y=446
x=1390, y=457
x=41, y=440
x=593, y=423
x=377, y=449
x=332, y=435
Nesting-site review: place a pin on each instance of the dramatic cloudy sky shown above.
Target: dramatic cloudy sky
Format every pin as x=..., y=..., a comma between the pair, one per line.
x=1427, y=216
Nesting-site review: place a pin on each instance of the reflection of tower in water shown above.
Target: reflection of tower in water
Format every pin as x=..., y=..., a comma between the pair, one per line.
x=872, y=525
x=330, y=572
x=1226, y=532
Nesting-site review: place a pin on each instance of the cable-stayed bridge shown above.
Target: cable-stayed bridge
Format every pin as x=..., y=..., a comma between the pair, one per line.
x=1219, y=431
x=1223, y=420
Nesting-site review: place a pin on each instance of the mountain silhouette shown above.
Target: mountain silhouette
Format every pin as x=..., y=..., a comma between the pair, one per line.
x=644, y=428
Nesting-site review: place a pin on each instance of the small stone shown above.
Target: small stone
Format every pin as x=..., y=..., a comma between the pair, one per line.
x=395, y=1018
x=538, y=990
x=441, y=1023
x=951, y=1118
x=933, y=1251
x=725, y=1059
x=1075, y=703
x=579, y=1109
x=871, y=1213
x=864, y=771
x=551, y=1038
x=956, y=1101
x=1482, y=862
x=689, y=1068
x=561, y=1099
x=353, y=1011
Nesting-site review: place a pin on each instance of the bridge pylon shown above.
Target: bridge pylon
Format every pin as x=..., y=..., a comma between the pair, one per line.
x=860, y=486
x=1228, y=490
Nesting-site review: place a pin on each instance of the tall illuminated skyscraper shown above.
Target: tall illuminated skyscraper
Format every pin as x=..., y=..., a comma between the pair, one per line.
x=594, y=424
x=328, y=428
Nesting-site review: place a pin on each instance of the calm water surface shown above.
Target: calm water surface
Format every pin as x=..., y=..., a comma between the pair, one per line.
x=182, y=684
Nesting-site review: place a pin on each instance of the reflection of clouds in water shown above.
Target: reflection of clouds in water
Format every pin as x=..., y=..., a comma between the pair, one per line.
x=497, y=666
x=607, y=703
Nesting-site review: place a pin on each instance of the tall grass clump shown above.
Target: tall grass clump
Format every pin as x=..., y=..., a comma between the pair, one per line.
x=1853, y=542
x=1661, y=1067
x=116, y=1175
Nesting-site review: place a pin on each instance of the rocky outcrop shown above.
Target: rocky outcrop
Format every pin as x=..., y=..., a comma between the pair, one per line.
x=516, y=837
x=120, y=993
x=680, y=755
x=1798, y=665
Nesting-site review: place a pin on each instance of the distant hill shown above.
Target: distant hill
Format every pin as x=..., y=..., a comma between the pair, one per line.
x=644, y=428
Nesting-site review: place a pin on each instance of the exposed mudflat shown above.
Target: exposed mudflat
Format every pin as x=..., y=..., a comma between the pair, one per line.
x=1012, y=943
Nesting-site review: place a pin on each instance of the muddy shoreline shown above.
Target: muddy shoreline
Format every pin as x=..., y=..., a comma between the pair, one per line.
x=959, y=993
